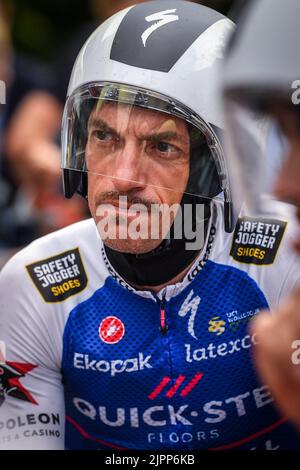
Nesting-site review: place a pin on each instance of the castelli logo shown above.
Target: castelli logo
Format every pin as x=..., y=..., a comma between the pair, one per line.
x=111, y=330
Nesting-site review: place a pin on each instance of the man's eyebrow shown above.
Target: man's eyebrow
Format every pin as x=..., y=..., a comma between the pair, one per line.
x=166, y=135
x=100, y=124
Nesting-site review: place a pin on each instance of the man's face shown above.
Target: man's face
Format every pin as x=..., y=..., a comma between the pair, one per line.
x=287, y=186
x=141, y=155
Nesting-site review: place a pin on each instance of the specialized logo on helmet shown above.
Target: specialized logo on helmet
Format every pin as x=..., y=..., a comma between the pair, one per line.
x=216, y=325
x=154, y=39
x=111, y=330
x=162, y=18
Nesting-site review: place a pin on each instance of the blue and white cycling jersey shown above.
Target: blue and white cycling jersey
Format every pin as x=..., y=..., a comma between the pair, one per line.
x=88, y=362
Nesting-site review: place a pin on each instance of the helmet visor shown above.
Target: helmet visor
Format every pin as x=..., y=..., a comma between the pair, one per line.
x=129, y=134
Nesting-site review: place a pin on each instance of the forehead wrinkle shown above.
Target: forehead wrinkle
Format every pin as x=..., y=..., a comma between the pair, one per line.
x=98, y=123
x=119, y=119
x=123, y=116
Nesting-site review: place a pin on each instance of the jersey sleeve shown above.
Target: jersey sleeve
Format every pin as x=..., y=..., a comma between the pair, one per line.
x=263, y=247
x=31, y=389
x=284, y=275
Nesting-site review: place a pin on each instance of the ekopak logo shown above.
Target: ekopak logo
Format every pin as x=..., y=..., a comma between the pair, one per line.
x=111, y=330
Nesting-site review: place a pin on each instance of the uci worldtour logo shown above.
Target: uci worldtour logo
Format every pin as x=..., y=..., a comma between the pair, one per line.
x=161, y=19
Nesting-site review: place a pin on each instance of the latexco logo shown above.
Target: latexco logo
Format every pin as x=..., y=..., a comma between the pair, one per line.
x=213, y=351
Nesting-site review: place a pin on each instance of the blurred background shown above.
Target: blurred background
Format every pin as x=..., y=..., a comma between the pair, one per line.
x=39, y=41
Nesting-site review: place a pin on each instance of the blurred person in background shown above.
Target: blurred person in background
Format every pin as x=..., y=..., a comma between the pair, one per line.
x=16, y=227
x=261, y=80
x=31, y=142
x=30, y=152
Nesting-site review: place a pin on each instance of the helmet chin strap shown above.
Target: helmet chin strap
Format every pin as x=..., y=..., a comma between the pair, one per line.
x=165, y=262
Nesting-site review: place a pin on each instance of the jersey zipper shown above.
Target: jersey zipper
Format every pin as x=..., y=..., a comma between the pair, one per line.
x=163, y=321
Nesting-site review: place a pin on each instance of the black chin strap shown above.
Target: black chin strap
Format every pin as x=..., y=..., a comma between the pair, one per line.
x=164, y=263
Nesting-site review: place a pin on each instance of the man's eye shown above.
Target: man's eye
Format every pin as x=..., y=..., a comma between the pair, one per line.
x=164, y=147
x=102, y=134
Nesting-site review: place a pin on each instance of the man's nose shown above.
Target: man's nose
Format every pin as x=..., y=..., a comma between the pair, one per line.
x=129, y=168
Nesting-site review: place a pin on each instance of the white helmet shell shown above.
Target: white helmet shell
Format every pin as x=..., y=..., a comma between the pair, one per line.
x=190, y=77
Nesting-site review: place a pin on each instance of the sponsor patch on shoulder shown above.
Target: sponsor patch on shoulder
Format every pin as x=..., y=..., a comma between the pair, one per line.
x=257, y=241
x=60, y=276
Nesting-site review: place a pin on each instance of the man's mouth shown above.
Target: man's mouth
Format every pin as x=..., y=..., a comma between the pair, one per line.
x=130, y=210
x=127, y=206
